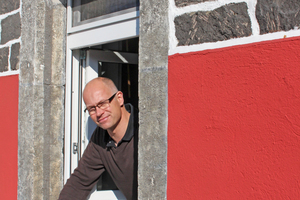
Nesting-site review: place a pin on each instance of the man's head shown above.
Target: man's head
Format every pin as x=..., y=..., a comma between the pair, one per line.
x=105, y=109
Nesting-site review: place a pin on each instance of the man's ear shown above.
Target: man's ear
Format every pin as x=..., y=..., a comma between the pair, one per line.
x=120, y=98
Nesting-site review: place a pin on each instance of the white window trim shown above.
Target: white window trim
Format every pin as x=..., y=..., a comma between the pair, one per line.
x=111, y=33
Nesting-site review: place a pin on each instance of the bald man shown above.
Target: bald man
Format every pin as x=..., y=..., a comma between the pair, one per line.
x=112, y=150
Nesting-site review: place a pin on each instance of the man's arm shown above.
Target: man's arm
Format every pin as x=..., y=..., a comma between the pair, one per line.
x=85, y=176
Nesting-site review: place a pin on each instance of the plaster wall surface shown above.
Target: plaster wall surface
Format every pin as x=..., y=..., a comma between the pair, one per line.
x=234, y=122
x=9, y=87
x=235, y=134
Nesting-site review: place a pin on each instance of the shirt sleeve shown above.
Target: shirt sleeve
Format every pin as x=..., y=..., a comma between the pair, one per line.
x=85, y=176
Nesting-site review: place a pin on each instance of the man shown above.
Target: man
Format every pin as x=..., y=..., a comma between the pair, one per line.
x=112, y=150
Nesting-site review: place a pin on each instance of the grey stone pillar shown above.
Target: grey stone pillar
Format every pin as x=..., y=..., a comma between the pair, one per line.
x=41, y=99
x=153, y=99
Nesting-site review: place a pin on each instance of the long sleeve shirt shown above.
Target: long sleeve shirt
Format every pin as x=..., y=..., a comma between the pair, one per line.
x=101, y=154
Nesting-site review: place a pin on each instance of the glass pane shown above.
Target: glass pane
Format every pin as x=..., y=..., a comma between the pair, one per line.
x=84, y=10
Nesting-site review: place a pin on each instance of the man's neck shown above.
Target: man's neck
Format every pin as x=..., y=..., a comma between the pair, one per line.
x=119, y=131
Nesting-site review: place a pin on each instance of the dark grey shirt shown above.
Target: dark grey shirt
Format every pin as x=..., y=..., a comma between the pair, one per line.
x=101, y=154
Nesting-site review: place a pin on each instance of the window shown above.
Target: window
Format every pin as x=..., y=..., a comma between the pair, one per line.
x=101, y=43
x=85, y=11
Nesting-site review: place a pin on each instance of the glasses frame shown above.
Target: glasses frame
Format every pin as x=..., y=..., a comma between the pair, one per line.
x=100, y=103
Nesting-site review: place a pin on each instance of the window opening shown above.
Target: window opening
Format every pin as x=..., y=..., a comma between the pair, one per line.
x=117, y=61
x=105, y=38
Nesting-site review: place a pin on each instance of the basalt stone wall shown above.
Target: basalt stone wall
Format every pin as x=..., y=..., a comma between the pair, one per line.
x=229, y=21
x=276, y=16
x=214, y=22
x=10, y=32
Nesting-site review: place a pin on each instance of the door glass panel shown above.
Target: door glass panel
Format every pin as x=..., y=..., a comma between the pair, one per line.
x=84, y=11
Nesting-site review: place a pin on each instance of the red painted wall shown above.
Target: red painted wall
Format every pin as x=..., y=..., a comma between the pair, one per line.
x=9, y=87
x=234, y=122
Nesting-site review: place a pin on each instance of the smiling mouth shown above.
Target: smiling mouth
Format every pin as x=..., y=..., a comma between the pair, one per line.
x=101, y=120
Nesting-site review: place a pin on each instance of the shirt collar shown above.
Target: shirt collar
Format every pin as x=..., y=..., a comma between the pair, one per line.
x=129, y=131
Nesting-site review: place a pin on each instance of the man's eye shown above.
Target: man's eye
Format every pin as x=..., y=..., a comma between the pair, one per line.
x=92, y=109
x=100, y=104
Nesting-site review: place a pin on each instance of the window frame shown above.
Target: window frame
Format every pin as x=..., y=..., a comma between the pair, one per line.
x=115, y=28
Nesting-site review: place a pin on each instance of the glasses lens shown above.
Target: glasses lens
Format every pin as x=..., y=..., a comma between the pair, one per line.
x=92, y=110
x=103, y=105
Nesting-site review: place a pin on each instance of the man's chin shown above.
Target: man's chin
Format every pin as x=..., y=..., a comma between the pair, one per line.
x=103, y=126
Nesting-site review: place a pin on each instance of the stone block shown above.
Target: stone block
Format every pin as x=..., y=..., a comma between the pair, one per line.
x=181, y=3
x=42, y=57
x=226, y=22
x=153, y=40
x=273, y=15
x=4, y=59
x=58, y=46
x=152, y=167
x=11, y=28
x=153, y=82
x=15, y=56
x=8, y=6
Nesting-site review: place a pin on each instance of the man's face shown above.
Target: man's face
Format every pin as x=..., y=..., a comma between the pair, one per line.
x=109, y=117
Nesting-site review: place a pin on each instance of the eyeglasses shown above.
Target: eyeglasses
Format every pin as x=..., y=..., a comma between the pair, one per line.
x=102, y=105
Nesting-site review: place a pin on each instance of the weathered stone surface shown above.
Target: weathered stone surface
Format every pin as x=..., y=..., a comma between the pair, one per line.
x=8, y=6
x=230, y=21
x=4, y=59
x=25, y=142
x=58, y=46
x=153, y=99
x=152, y=156
x=181, y=3
x=274, y=15
x=41, y=99
x=10, y=28
x=15, y=56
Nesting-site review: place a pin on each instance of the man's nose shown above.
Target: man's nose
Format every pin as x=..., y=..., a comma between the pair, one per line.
x=99, y=111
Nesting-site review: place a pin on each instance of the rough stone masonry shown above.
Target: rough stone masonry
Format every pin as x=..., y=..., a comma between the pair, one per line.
x=232, y=20
x=10, y=33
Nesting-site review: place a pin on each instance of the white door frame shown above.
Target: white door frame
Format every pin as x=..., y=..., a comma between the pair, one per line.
x=112, y=29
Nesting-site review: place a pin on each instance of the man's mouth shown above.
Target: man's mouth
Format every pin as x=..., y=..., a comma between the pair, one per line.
x=103, y=119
